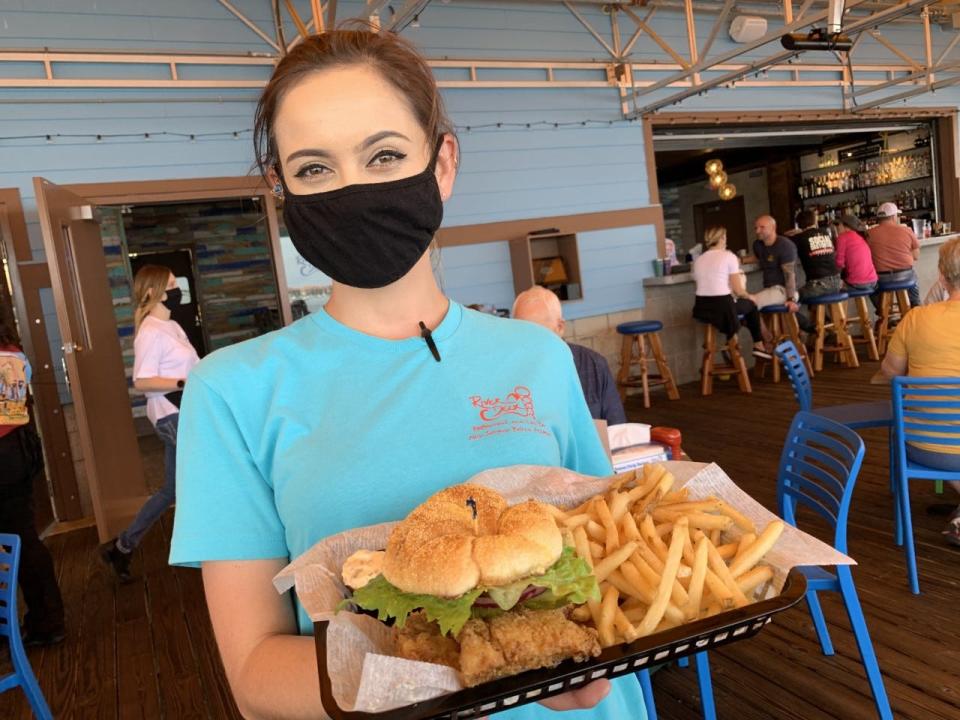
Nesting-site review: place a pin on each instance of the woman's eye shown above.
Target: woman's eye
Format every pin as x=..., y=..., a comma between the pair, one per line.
x=312, y=170
x=387, y=157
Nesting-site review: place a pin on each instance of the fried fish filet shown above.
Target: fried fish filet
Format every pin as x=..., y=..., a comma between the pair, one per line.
x=501, y=646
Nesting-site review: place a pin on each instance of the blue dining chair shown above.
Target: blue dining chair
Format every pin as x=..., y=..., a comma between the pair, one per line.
x=818, y=470
x=707, y=706
x=925, y=410
x=22, y=674
x=856, y=416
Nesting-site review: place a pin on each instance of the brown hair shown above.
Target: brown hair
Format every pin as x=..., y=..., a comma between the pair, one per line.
x=148, y=287
x=7, y=334
x=393, y=57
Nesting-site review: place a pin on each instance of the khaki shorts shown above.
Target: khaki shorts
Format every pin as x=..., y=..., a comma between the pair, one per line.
x=774, y=295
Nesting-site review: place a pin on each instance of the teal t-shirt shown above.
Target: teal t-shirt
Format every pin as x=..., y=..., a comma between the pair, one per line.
x=317, y=428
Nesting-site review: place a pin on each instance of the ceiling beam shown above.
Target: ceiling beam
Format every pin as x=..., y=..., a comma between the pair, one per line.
x=871, y=21
x=704, y=64
x=925, y=88
x=590, y=29
x=664, y=45
x=250, y=24
x=718, y=23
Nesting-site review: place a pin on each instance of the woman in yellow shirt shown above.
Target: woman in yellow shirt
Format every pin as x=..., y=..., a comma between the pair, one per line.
x=927, y=344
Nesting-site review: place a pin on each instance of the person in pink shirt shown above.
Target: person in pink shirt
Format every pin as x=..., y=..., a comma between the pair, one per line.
x=853, y=255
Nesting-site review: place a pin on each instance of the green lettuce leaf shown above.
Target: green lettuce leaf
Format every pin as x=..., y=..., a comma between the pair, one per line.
x=390, y=602
x=568, y=580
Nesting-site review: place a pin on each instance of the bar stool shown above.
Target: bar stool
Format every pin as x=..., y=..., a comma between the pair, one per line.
x=783, y=325
x=866, y=336
x=736, y=366
x=889, y=293
x=845, y=349
x=633, y=351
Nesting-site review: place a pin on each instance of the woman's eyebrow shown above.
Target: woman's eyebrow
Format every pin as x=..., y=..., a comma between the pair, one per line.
x=372, y=140
x=377, y=137
x=307, y=152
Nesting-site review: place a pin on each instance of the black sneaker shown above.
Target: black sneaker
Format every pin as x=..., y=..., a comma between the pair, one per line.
x=119, y=561
x=31, y=638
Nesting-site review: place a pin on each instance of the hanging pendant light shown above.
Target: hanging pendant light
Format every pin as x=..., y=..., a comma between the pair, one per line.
x=718, y=180
x=713, y=166
x=728, y=191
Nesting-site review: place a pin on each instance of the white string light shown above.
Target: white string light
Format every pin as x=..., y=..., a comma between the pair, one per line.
x=101, y=137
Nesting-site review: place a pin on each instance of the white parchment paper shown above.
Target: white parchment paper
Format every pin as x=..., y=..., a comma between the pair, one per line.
x=364, y=675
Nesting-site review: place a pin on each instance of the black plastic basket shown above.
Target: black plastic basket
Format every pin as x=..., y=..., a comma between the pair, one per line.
x=535, y=685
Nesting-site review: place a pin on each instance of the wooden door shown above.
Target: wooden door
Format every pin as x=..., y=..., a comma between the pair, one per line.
x=30, y=279
x=92, y=356
x=729, y=214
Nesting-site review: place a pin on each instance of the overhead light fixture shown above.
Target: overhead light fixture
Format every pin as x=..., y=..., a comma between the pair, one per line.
x=728, y=192
x=718, y=180
x=713, y=166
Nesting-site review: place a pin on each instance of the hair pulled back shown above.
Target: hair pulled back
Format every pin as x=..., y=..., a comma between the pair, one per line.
x=396, y=59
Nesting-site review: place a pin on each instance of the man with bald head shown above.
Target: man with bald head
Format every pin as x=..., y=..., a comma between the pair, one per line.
x=540, y=306
x=777, y=257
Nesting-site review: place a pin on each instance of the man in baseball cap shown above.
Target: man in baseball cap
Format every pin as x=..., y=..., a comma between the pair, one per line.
x=887, y=210
x=895, y=249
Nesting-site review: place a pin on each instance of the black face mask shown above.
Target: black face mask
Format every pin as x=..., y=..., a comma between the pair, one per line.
x=174, y=297
x=367, y=236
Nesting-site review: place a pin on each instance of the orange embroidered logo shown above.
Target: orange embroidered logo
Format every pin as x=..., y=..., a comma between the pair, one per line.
x=519, y=402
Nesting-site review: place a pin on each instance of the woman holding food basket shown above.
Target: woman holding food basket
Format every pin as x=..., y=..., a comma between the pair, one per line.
x=355, y=414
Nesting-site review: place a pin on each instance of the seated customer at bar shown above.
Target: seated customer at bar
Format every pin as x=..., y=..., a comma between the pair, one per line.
x=927, y=344
x=539, y=305
x=895, y=250
x=853, y=255
x=777, y=257
x=721, y=295
x=818, y=258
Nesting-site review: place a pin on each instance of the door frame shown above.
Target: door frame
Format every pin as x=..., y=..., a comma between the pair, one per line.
x=147, y=192
x=28, y=276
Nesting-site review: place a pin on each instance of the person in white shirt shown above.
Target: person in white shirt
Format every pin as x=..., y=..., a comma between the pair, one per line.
x=721, y=294
x=163, y=357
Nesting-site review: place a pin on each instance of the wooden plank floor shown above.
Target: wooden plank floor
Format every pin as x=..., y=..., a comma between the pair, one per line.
x=146, y=650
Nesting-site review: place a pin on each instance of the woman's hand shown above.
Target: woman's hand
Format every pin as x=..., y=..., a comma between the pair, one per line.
x=582, y=699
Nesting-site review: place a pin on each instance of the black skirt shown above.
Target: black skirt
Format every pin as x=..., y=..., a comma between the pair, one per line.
x=719, y=311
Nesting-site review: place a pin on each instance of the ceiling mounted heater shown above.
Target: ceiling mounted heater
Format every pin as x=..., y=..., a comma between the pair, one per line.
x=747, y=28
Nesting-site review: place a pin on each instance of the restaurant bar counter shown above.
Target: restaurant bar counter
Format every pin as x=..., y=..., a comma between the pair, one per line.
x=670, y=300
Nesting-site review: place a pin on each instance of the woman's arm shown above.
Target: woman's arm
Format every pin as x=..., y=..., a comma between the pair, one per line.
x=737, y=285
x=157, y=384
x=271, y=669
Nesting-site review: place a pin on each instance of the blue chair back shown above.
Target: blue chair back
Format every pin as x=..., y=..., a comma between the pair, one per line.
x=797, y=372
x=9, y=565
x=818, y=469
x=926, y=410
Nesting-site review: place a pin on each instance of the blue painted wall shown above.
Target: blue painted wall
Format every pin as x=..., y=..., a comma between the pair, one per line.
x=506, y=174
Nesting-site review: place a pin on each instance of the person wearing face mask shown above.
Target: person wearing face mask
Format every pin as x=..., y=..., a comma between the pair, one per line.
x=163, y=357
x=355, y=414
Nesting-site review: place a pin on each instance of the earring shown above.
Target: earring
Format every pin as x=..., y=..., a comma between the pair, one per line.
x=278, y=189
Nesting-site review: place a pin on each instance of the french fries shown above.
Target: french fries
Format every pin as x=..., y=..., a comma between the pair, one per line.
x=662, y=558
